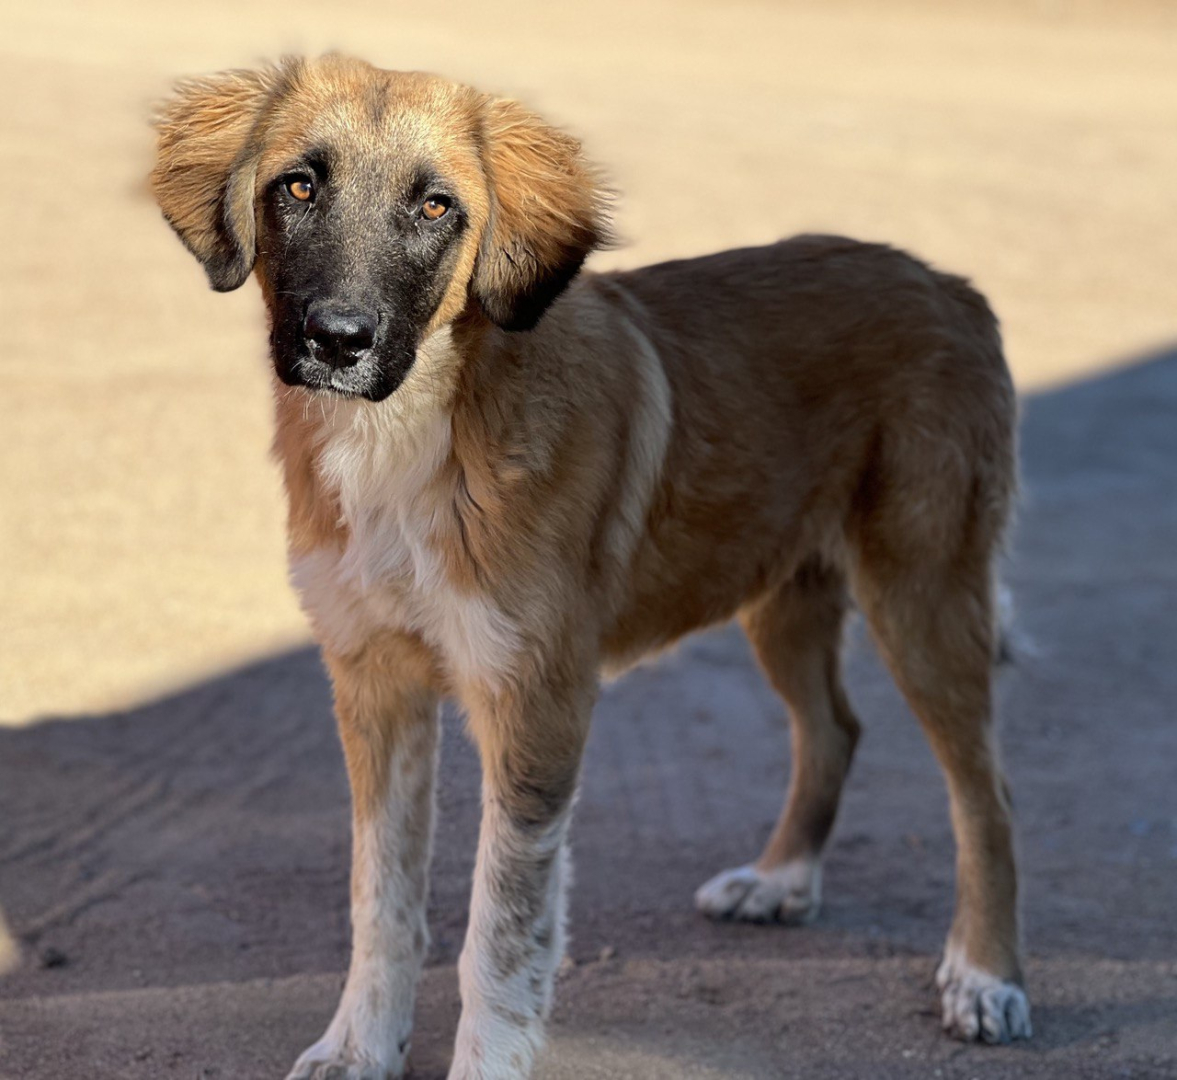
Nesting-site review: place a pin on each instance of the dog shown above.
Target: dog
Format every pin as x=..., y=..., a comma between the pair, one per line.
x=506, y=479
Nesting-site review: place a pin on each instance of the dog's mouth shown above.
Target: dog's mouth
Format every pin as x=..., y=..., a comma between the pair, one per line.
x=360, y=380
x=366, y=376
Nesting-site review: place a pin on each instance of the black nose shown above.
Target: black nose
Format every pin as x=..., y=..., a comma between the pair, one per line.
x=341, y=332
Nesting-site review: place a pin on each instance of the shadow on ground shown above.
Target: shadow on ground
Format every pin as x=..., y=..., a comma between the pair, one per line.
x=177, y=873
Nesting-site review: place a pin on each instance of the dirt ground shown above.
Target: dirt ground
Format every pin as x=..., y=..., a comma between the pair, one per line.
x=173, y=813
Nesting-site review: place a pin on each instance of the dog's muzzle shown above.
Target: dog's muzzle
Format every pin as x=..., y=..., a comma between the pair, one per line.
x=339, y=335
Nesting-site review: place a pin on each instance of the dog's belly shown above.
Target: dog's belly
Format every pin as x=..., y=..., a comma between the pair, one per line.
x=678, y=585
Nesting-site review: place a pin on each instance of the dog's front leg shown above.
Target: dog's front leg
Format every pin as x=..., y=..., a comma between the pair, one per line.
x=531, y=744
x=388, y=722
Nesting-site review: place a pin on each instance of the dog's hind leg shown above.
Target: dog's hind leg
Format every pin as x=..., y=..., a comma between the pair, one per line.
x=388, y=722
x=933, y=621
x=796, y=632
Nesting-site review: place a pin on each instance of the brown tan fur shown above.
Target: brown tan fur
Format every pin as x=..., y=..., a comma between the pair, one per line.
x=759, y=433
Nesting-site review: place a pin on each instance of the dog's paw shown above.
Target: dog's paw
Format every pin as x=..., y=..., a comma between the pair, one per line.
x=788, y=894
x=329, y=1060
x=979, y=1006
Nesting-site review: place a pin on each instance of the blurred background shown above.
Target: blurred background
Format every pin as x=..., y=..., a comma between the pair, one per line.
x=173, y=809
x=1030, y=145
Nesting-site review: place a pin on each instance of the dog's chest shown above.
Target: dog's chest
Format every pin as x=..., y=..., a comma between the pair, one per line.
x=391, y=573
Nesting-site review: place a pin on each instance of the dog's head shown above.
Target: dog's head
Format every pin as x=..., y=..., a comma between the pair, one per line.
x=376, y=207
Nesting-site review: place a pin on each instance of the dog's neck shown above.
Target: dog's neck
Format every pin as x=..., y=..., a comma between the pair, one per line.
x=372, y=453
x=343, y=457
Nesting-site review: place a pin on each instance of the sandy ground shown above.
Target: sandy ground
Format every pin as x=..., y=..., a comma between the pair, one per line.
x=141, y=538
x=173, y=849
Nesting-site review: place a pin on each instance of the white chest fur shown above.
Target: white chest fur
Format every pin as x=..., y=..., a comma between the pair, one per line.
x=383, y=461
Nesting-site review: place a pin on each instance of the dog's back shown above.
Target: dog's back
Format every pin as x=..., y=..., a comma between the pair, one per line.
x=821, y=392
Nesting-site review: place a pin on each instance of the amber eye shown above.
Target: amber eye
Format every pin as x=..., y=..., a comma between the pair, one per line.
x=301, y=188
x=435, y=207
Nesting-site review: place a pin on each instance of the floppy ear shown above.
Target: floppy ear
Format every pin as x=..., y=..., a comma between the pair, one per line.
x=547, y=213
x=206, y=167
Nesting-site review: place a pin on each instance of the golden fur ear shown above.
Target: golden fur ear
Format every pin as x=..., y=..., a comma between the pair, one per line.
x=206, y=167
x=547, y=213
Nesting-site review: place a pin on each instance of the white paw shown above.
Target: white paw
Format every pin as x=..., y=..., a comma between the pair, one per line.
x=788, y=894
x=332, y=1059
x=490, y=1046
x=980, y=1006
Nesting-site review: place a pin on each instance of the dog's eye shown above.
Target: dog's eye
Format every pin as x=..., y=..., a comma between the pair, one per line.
x=301, y=188
x=435, y=207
